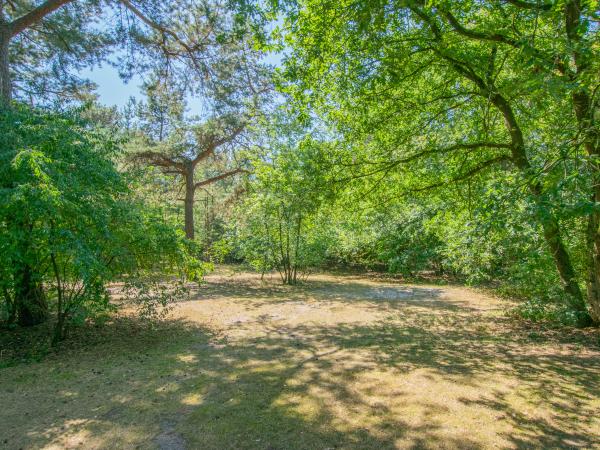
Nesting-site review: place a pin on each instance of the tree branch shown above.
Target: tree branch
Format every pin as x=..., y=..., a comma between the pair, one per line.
x=389, y=165
x=470, y=146
x=161, y=29
x=35, y=15
x=466, y=175
x=521, y=44
x=219, y=177
x=230, y=137
x=528, y=5
x=160, y=160
x=210, y=150
x=458, y=27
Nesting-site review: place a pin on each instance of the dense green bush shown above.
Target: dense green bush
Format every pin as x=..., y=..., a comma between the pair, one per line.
x=70, y=223
x=282, y=225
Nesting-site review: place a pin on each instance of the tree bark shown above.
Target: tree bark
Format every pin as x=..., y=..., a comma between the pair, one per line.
x=584, y=112
x=30, y=300
x=593, y=278
x=5, y=82
x=190, y=190
x=548, y=220
x=585, y=107
x=562, y=260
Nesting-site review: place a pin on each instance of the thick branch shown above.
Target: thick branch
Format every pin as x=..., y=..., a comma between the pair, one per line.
x=496, y=37
x=528, y=5
x=230, y=137
x=160, y=160
x=475, y=170
x=211, y=143
x=519, y=157
x=522, y=44
x=35, y=15
x=203, y=155
x=219, y=177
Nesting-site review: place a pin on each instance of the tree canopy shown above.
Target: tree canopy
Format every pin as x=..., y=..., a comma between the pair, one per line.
x=457, y=140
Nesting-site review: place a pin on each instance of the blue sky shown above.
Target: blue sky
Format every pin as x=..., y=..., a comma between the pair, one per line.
x=111, y=88
x=113, y=91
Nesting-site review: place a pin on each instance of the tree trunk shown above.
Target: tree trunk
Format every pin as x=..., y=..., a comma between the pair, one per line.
x=548, y=220
x=593, y=248
x=30, y=300
x=190, y=190
x=562, y=260
x=593, y=279
x=5, y=82
x=584, y=112
x=584, y=106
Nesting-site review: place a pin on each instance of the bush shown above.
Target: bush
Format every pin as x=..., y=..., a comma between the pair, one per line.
x=70, y=223
x=559, y=313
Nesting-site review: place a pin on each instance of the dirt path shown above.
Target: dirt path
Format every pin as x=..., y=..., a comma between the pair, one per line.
x=341, y=362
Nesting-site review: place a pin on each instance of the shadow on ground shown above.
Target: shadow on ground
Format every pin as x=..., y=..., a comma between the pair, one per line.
x=429, y=375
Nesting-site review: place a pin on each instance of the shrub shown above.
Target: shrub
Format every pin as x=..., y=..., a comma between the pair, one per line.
x=70, y=223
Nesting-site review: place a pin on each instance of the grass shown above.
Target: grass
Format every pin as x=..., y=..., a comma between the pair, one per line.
x=339, y=362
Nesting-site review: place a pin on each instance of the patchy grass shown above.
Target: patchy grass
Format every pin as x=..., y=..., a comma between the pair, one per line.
x=339, y=362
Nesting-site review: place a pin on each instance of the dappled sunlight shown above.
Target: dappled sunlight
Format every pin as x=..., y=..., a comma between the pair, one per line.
x=373, y=371
x=192, y=399
x=189, y=358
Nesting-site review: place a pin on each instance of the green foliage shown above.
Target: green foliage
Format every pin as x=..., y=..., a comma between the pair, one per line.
x=540, y=310
x=480, y=113
x=283, y=225
x=69, y=215
x=391, y=237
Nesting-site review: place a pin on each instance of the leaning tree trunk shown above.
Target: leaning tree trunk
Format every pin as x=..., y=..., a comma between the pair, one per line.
x=549, y=222
x=585, y=106
x=584, y=112
x=593, y=279
x=190, y=191
x=561, y=259
x=593, y=243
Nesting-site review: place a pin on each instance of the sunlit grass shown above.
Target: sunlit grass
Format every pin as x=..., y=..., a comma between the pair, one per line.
x=337, y=363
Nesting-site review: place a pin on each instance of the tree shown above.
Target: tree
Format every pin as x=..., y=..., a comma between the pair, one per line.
x=70, y=223
x=572, y=65
x=40, y=41
x=422, y=94
x=178, y=144
x=188, y=148
x=281, y=223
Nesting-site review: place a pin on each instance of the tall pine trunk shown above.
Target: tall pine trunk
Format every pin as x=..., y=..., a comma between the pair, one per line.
x=5, y=82
x=190, y=191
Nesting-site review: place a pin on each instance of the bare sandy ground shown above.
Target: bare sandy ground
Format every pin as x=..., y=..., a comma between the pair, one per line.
x=339, y=362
